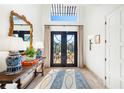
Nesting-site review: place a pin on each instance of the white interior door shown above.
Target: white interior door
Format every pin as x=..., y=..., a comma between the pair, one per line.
x=115, y=49
x=121, y=39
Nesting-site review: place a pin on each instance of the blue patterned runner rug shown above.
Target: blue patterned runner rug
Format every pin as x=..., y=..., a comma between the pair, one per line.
x=64, y=79
x=57, y=83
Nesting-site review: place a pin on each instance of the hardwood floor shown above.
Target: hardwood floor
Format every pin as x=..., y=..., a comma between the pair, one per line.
x=92, y=79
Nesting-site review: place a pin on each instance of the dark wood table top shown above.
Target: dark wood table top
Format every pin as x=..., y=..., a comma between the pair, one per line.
x=13, y=78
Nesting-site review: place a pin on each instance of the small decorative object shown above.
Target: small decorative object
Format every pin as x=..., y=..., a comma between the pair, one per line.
x=30, y=54
x=38, y=53
x=13, y=62
x=97, y=39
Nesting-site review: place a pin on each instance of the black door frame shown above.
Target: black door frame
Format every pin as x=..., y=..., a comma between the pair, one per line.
x=64, y=55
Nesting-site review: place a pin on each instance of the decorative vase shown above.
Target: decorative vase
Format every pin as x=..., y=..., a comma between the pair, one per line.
x=13, y=62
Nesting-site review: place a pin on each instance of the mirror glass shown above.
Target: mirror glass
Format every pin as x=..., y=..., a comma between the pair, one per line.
x=21, y=29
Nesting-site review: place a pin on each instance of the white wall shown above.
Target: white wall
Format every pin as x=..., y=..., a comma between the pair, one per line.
x=94, y=25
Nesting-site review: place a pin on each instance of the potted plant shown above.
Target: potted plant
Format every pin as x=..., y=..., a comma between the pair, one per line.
x=30, y=54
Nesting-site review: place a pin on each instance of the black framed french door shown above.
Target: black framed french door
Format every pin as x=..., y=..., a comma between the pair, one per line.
x=63, y=49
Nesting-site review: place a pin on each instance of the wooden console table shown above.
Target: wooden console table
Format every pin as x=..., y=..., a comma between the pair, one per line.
x=18, y=78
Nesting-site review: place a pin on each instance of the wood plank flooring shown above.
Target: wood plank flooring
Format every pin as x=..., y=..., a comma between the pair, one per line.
x=92, y=79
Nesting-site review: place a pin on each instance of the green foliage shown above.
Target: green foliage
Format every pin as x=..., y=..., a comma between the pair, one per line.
x=30, y=52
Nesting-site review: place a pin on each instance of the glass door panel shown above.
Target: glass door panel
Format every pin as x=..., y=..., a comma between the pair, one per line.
x=57, y=49
x=70, y=49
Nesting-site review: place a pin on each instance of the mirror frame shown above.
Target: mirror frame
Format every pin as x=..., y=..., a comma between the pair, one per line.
x=12, y=13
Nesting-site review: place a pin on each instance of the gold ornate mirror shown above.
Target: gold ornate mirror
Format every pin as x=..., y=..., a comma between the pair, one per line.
x=21, y=27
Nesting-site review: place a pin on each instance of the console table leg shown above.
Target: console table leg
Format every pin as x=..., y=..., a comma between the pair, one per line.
x=42, y=67
x=35, y=73
x=3, y=86
x=19, y=84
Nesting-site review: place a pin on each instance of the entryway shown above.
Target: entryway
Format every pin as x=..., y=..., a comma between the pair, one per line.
x=63, y=49
x=66, y=31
